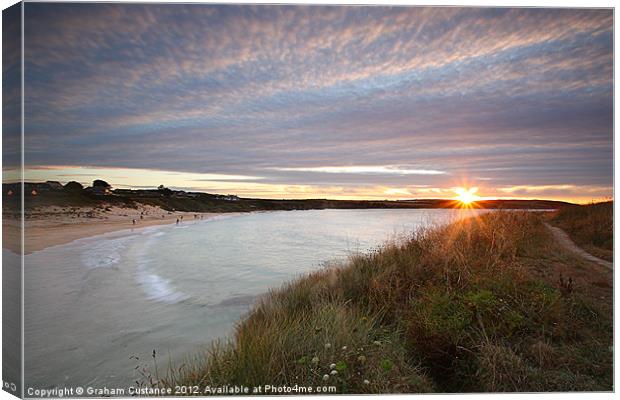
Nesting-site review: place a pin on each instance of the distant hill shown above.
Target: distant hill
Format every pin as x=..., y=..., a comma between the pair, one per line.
x=51, y=193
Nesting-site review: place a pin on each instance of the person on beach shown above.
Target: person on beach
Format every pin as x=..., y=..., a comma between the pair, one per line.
x=177, y=221
x=133, y=221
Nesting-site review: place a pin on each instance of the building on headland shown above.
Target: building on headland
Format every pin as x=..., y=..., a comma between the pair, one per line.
x=99, y=190
x=144, y=193
x=227, y=197
x=179, y=194
x=41, y=186
x=54, y=185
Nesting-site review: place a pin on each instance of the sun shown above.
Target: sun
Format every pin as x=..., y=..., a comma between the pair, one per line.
x=466, y=196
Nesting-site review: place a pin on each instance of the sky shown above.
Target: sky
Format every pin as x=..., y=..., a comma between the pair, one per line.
x=322, y=102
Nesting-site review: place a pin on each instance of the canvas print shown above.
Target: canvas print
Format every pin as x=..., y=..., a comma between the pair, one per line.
x=233, y=199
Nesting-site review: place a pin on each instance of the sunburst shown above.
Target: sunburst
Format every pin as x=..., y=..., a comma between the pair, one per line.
x=466, y=196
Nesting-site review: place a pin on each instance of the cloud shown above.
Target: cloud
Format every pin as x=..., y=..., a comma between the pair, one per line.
x=292, y=93
x=368, y=169
x=535, y=189
x=397, y=192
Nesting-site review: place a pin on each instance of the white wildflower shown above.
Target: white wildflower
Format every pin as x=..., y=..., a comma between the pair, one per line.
x=332, y=366
x=334, y=372
x=328, y=345
x=315, y=360
x=325, y=377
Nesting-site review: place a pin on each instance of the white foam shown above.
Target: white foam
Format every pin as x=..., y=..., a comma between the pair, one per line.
x=104, y=253
x=154, y=286
x=159, y=289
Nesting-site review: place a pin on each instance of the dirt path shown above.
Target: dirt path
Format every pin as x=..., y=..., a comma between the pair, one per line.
x=566, y=241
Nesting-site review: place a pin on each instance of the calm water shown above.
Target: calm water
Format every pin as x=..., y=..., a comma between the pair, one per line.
x=93, y=303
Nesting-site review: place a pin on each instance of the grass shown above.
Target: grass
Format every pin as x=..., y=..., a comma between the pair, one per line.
x=477, y=306
x=590, y=226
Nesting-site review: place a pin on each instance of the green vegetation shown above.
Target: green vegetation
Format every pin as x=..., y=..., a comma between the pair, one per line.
x=475, y=306
x=590, y=226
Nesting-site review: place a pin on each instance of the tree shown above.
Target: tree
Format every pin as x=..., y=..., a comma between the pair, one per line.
x=73, y=186
x=164, y=190
x=101, y=183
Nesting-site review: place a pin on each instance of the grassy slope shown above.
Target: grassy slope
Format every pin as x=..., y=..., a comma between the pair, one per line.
x=482, y=305
x=590, y=226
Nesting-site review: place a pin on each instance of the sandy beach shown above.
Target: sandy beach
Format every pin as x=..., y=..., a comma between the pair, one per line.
x=51, y=226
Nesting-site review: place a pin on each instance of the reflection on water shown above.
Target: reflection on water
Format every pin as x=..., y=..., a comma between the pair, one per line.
x=92, y=304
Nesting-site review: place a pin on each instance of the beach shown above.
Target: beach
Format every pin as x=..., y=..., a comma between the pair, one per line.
x=175, y=288
x=53, y=225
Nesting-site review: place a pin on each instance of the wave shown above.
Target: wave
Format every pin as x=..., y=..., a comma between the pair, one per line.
x=154, y=286
x=104, y=253
x=159, y=289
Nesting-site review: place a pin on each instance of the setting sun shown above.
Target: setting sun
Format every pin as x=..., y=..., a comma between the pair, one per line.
x=466, y=196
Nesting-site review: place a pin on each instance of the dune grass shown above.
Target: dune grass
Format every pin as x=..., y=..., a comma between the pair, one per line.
x=462, y=308
x=590, y=226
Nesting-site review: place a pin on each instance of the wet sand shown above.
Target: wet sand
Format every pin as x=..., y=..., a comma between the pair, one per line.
x=51, y=226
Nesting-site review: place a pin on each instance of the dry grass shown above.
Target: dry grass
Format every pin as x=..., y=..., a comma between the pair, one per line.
x=454, y=309
x=590, y=226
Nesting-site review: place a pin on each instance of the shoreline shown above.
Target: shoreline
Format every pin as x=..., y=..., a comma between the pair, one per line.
x=506, y=266
x=52, y=228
